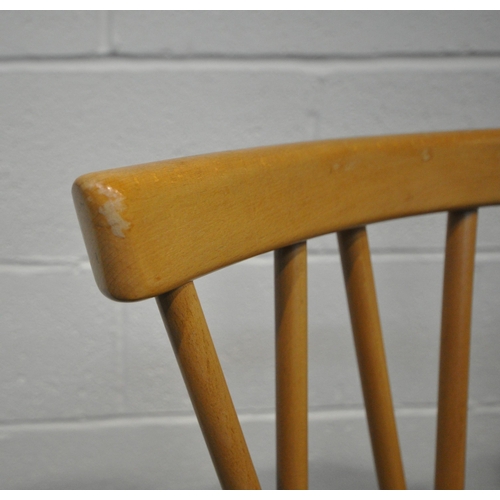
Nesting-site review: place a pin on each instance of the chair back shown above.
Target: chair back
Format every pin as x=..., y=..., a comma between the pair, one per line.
x=152, y=229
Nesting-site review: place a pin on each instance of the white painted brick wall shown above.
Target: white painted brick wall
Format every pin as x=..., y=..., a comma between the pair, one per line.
x=91, y=394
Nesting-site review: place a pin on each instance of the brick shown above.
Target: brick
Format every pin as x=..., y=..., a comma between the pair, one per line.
x=394, y=97
x=107, y=455
x=60, y=355
x=314, y=34
x=162, y=453
x=409, y=291
x=50, y=33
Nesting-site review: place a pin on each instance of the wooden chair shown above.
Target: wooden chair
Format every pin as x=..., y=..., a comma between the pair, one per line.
x=151, y=229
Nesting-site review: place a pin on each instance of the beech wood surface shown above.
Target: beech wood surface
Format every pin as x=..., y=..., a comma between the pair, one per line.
x=151, y=228
x=290, y=267
x=455, y=347
x=361, y=296
x=200, y=367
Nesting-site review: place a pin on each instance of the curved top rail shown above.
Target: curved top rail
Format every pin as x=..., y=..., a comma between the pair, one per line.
x=150, y=228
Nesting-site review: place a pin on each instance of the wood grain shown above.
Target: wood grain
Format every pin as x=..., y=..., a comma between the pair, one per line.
x=290, y=268
x=200, y=367
x=455, y=348
x=362, y=299
x=151, y=228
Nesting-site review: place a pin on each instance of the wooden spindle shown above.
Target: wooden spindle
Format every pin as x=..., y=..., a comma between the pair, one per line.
x=360, y=287
x=455, y=347
x=291, y=366
x=200, y=367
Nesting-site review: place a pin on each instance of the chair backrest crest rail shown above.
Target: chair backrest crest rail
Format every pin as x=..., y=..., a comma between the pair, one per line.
x=151, y=228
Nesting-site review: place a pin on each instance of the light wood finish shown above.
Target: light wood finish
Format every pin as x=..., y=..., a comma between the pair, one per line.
x=290, y=267
x=360, y=287
x=151, y=228
x=200, y=367
x=455, y=346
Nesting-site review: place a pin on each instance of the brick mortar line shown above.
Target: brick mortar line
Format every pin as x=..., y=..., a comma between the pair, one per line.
x=111, y=53
x=308, y=63
x=184, y=418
